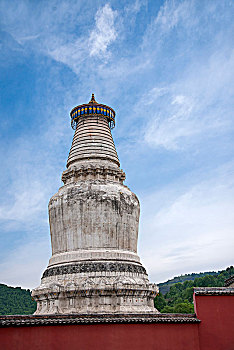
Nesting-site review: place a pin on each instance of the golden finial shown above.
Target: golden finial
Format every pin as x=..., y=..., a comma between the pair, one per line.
x=92, y=99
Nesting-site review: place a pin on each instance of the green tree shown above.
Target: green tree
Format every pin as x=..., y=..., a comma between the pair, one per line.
x=184, y=308
x=159, y=302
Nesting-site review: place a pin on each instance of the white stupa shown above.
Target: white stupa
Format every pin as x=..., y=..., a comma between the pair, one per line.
x=94, y=218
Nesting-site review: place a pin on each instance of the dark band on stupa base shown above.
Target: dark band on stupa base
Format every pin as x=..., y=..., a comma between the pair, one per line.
x=93, y=267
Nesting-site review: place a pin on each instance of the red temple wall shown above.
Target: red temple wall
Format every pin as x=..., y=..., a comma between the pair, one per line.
x=102, y=336
x=214, y=332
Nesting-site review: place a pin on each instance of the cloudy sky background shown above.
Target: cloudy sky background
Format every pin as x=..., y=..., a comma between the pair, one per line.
x=167, y=68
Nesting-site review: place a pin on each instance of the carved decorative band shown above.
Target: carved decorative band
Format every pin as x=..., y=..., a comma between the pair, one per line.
x=88, y=110
x=95, y=172
x=93, y=267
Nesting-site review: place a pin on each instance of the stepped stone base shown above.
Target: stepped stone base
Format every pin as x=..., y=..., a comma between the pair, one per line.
x=99, y=287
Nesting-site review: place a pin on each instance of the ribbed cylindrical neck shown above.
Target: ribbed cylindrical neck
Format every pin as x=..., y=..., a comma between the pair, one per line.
x=92, y=141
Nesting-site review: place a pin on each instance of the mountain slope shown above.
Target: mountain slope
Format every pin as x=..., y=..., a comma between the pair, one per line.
x=164, y=287
x=179, y=298
x=16, y=301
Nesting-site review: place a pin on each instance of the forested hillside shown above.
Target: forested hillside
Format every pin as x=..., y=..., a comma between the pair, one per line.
x=177, y=299
x=16, y=301
x=165, y=286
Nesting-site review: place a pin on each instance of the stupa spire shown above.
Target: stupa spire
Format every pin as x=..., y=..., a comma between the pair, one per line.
x=92, y=99
x=92, y=140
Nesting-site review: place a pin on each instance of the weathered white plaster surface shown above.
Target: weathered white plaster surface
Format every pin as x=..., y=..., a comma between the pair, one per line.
x=89, y=215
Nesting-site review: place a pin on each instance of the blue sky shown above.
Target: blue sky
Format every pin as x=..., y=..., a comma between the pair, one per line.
x=167, y=69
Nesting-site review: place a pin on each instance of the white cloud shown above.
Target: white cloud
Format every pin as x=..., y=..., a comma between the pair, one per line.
x=32, y=171
x=104, y=33
x=192, y=105
x=71, y=54
x=189, y=228
x=58, y=31
x=134, y=7
x=172, y=13
x=170, y=131
x=154, y=94
x=24, y=265
x=22, y=39
x=28, y=202
x=75, y=54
